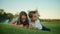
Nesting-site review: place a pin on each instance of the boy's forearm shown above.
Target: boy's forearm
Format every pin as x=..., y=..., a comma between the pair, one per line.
x=32, y=27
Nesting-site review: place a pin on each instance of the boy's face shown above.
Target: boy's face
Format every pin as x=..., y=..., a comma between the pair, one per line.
x=34, y=17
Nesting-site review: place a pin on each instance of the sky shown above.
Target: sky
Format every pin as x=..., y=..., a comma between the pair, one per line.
x=48, y=9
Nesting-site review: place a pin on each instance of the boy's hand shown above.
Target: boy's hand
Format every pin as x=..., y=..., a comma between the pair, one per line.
x=30, y=27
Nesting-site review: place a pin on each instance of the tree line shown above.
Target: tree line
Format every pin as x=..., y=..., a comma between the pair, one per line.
x=4, y=16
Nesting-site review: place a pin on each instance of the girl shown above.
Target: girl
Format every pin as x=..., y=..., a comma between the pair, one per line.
x=21, y=21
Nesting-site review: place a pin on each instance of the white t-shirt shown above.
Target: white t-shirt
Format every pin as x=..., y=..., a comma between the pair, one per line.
x=37, y=24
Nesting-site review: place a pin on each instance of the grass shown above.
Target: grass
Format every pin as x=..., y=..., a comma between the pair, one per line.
x=8, y=29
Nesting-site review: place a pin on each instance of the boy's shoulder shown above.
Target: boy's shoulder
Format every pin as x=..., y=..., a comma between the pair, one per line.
x=37, y=20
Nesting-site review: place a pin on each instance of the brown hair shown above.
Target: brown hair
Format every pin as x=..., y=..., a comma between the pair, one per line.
x=26, y=22
x=31, y=12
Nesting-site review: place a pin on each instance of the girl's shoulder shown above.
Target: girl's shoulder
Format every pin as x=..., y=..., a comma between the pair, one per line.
x=16, y=18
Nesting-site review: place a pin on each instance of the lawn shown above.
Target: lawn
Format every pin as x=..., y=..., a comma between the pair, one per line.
x=8, y=29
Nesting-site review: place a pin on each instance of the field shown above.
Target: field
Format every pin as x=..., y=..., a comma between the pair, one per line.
x=8, y=29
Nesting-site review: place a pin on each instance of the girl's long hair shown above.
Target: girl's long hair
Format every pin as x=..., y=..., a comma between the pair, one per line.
x=20, y=16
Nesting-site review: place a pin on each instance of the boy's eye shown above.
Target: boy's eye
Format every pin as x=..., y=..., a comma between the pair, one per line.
x=34, y=16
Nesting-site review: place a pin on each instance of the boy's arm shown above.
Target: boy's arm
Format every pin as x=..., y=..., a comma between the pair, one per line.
x=32, y=27
x=38, y=24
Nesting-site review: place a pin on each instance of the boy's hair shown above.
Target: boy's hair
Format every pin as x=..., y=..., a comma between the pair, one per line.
x=31, y=12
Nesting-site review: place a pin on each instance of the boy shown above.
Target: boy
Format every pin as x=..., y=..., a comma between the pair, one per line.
x=34, y=22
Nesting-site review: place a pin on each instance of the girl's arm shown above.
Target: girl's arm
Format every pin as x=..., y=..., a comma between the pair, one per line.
x=13, y=22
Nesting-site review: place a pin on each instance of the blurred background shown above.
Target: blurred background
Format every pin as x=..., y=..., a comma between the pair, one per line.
x=47, y=9
x=48, y=12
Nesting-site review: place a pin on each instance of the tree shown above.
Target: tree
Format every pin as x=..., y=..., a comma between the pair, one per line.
x=16, y=15
x=10, y=15
x=2, y=14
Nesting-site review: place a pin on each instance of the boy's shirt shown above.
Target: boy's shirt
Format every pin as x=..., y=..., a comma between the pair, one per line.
x=36, y=24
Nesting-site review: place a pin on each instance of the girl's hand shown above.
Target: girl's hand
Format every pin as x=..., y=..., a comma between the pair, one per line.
x=21, y=25
x=26, y=26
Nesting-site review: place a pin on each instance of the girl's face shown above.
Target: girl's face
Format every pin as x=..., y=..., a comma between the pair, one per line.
x=23, y=18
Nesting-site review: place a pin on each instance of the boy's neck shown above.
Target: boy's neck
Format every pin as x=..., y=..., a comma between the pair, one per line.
x=32, y=21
